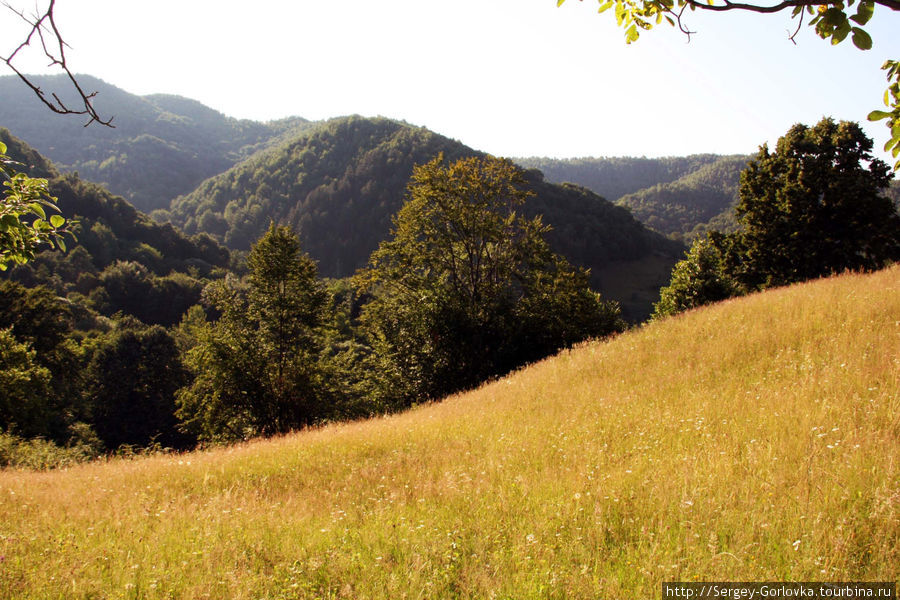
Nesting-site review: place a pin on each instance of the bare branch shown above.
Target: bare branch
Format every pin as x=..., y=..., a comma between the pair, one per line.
x=43, y=28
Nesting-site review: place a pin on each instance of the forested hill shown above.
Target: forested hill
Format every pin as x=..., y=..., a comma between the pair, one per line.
x=692, y=203
x=340, y=183
x=122, y=260
x=615, y=177
x=161, y=146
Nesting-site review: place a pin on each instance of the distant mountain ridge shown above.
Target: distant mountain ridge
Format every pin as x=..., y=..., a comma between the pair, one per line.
x=161, y=146
x=614, y=177
x=340, y=182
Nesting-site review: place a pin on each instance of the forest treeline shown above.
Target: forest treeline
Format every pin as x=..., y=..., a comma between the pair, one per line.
x=142, y=337
x=340, y=183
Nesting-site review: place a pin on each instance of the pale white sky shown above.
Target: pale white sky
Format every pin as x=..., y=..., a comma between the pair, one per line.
x=510, y=77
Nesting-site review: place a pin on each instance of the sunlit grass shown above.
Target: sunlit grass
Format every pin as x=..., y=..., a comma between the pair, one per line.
x=754, y=440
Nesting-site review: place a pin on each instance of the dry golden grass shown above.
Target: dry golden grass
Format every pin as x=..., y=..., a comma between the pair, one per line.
x=758, y=439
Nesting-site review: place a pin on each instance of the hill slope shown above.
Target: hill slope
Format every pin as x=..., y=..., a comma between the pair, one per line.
x=615, y=177
x=340, y=183
x=162, y=146
x=755, y=440
x=119, y=253
x=692, y=203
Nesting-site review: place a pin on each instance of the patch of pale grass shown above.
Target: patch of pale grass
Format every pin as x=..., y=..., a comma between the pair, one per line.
x=752, y=440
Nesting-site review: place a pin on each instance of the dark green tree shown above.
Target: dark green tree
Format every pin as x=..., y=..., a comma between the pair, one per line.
x=817, y=205
x=131, y=383
x=26, y=404
x=467, y=288
x=257, y=367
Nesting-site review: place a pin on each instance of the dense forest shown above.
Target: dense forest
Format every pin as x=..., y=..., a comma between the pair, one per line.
x=161, y=145
x=695, y=202
x=340, y=183
x=121, y=261
x=614, y=177
x=141, y=337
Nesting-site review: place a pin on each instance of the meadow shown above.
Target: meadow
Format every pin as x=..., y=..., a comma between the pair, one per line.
x=754, y=440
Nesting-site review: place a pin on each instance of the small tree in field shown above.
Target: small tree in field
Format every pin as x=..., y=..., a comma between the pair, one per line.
x=257, y=366
x=467, y=288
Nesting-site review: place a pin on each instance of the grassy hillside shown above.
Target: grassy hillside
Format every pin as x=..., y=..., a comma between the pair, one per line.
x=753, y=440
x=161, y=146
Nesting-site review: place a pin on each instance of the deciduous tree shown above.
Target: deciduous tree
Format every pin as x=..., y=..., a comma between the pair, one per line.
x=24, y=225
x=467, y=288
x=257, y=367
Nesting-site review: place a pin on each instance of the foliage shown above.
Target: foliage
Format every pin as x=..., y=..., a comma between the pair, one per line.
x=256, y=369
x=614, y=177
x=686, y=207
x=340, y=183
x=117, y=245
x=131, y=383
x=38, y=454
x=697, y=280
x=832, y=20
x=814, y=207
x=25, y=401
x=24, y=224
x=467, y=288
x=595, y=474
x=41, y=343
x=892, y=101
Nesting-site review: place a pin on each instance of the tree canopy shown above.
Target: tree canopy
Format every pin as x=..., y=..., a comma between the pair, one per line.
x=256, y=368
x=815, y=206
x=468, y=288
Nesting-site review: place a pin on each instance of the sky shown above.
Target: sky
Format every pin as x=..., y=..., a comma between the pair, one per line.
x=510, y=77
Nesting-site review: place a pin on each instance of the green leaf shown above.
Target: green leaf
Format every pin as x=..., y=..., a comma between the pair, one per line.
x=559, y=3
x=57, y=221
x=864, y=12
x=37, y=209
x=861, y=39
x=61, y=244
x=877, y=115
x=2, y=148
x=605, y=6
x=841, y=32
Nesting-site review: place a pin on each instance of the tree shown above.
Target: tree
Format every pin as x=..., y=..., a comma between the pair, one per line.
x=467, y=288
x=26, y=398
x=815, y=206
x=257, y=367
x=832, y=20
x=131, y=383
x=697, y=280
x=24, y=225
